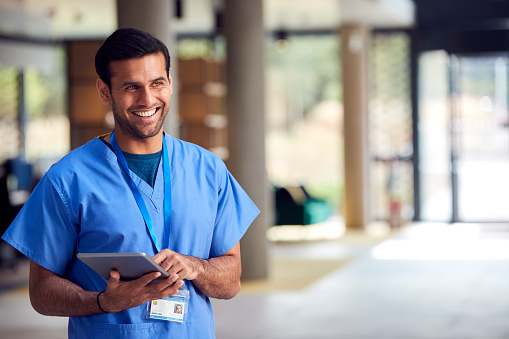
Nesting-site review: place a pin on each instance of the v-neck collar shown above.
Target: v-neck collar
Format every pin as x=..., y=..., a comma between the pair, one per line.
x=155, y=194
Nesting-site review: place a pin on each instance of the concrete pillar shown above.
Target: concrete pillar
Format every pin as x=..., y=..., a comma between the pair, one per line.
x=354, y=39
x=245, y=68
x=155, y=16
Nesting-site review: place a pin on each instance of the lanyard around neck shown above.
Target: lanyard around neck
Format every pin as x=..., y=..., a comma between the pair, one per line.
x=139, y=199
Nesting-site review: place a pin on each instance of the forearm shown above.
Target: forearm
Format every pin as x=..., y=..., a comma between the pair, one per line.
x=55, y=296
x=218, y=277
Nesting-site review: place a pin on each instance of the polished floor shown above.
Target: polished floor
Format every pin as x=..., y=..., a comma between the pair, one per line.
x=423, y=281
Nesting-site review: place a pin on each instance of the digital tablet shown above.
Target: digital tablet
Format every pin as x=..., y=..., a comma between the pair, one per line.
x=130, y=266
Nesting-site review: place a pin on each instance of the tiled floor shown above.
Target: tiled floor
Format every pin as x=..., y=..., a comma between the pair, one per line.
x=426, y=281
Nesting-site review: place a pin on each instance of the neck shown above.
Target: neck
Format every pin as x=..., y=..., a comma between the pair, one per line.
x=139, y=146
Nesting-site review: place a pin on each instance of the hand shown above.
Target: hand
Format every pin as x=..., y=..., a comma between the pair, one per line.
x=186, y=267
x=120, y=295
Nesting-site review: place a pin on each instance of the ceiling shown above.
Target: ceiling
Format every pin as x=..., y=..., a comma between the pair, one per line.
x=79, y=19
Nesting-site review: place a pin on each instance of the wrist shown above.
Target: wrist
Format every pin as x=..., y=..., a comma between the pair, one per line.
x=198, y=267
x=98, y=298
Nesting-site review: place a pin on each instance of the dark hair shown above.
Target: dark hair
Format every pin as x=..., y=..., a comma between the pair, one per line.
x=127, y=43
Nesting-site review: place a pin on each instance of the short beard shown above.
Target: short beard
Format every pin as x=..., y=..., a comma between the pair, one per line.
x=127, y=127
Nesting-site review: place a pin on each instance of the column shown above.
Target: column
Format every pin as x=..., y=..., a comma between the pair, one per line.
x=245, y=67
x=155, y=16
x=355, y=96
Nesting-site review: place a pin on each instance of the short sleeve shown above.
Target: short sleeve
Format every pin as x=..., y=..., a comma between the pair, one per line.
x=235, y=213
x=43, y=230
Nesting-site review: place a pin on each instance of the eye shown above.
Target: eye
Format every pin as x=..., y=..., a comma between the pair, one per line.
x=131, y=87
x=158, y=83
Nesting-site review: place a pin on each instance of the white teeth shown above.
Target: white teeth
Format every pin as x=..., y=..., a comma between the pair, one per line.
x=145, y=113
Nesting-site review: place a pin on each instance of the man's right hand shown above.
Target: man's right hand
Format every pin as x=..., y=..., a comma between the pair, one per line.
x=120, y=295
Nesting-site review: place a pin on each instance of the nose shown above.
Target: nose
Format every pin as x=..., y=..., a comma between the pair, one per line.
x=146, y=97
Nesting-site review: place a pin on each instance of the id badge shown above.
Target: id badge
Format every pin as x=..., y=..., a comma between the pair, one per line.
x=173, y=308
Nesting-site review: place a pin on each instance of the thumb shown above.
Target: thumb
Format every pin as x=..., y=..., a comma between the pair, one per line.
x=114, y=277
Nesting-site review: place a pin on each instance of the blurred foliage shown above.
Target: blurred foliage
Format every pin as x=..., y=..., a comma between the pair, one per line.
x=311, y=62
x=195, y=49
x=45, y=94
x=37, y=92
x=9, y=88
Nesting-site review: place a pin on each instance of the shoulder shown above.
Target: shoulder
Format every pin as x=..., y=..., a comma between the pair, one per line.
x=78, y=160
x=187, y=151
x=192, y=161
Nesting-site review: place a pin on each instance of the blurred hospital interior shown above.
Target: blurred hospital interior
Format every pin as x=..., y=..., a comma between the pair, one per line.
x=373, y=135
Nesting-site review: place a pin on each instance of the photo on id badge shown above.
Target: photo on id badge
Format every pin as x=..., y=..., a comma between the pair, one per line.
x=167, y=309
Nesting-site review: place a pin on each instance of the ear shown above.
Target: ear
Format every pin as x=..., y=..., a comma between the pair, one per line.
x=171, y=84
x=104, y=92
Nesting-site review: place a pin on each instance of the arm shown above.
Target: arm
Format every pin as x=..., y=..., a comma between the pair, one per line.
x=50, y=294
x=53, y=295
x=215, y=277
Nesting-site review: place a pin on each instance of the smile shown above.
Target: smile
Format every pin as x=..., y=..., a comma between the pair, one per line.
x=145, y=113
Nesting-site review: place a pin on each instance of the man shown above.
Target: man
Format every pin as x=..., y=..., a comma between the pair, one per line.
x=134, y=190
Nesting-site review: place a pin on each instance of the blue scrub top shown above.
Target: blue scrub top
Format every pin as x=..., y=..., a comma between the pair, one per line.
x=84, y=204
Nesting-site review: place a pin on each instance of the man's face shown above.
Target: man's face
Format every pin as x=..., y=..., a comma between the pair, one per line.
x=140, y=95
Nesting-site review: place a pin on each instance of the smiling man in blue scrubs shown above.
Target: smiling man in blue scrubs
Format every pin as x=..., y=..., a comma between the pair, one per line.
x=134, y=190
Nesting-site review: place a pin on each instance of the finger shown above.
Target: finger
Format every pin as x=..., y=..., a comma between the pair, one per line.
x=172, y=279
x=173, y=289
x=179, y=284
x=162, y=255
x=183, y=270
x=162, y=285
x=148, y=278
x=176, y=265
x=166, y=264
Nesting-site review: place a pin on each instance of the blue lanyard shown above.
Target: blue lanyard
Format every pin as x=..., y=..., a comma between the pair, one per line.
x=139, y=199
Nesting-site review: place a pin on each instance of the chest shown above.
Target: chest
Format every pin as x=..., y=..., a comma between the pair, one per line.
x=110, y=219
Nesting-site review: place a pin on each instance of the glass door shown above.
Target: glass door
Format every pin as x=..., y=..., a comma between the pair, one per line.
x=480, y=138
x=464, y=137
